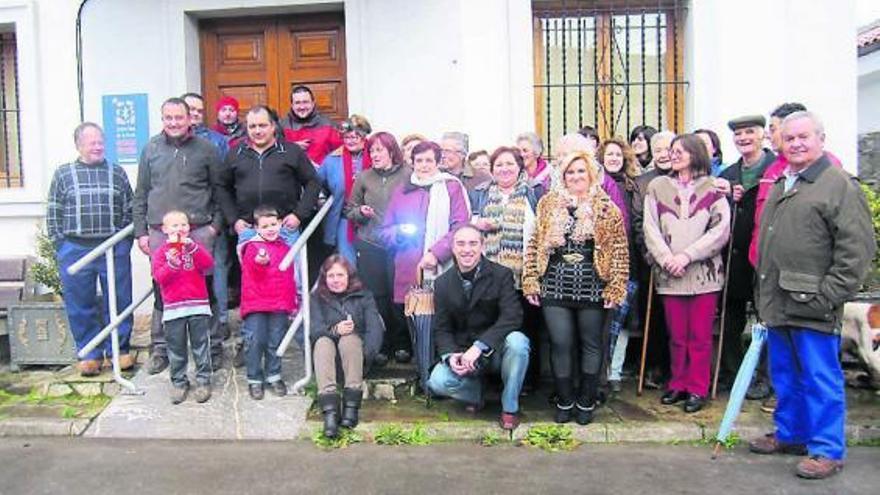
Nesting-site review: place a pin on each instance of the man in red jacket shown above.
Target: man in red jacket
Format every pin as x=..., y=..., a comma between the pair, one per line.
x=308, y=128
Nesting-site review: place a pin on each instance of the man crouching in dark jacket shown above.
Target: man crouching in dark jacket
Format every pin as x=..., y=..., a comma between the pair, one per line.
x=477, y=324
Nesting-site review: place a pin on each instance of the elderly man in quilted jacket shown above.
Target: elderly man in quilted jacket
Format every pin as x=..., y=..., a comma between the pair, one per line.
x=816, y=243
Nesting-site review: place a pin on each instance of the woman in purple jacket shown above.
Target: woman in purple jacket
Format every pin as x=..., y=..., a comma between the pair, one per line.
x=417, y=229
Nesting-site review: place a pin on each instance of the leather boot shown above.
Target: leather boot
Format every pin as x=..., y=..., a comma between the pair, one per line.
x=330, y=407
x=351, y=403
x=586, y=402
x=564, y=400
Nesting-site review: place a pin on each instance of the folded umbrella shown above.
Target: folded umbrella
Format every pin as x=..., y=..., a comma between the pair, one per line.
x=419, y=310
x=741, y=384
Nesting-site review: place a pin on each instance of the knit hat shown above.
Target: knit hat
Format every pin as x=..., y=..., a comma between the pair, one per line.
x=357, y=123
x=226, y=100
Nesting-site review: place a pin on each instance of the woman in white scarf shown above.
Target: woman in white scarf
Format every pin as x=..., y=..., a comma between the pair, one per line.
x=421, y=214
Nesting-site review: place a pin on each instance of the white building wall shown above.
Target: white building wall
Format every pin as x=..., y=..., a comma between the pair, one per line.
x=426, y=66
x=748, y=56
x=869, y=93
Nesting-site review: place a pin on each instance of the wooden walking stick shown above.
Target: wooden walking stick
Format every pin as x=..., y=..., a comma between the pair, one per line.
x=646, y=332
x=724, y=305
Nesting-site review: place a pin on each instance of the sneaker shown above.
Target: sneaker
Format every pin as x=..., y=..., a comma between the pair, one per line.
x=89, y=367
x=818, y=468
x=238, y=359
x=509, y=421
x=759, y=389
x=157, y=364
x=256, y=391
x=380, y=360
x=216, y=362
x=769, y=405
x=202, y=393
x=402, y=356
x=769, y=444
x=178, y=394
x=614, y=385
x=279, y=388
x=126, y=362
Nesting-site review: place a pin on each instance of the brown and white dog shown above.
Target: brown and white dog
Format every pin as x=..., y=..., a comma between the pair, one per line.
x=861, y=336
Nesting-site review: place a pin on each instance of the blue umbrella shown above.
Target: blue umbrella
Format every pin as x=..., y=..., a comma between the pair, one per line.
x=741, y=384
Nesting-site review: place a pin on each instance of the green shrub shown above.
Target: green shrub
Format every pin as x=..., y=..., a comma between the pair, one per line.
x=345, y=438
x=394, y=434
x=44, y=270
x=873, y=197
x=551, y=437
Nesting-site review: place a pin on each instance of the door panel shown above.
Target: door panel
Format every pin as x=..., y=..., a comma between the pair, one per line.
x=258, y=60
x=313, y=53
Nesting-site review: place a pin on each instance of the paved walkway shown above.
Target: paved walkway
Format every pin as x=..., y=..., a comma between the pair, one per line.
x=230, y=414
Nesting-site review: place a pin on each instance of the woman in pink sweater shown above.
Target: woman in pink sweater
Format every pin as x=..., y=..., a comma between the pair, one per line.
x=687, y=223
x=268, y=298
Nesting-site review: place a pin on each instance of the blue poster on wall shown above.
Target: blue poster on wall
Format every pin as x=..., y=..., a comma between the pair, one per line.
x=126, y=127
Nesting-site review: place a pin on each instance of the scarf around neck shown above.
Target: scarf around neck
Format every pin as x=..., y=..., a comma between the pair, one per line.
x=349, y=176
x=439, y=209
x=506, y=244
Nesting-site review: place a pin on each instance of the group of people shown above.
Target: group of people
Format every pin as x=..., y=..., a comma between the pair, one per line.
x=517, y=249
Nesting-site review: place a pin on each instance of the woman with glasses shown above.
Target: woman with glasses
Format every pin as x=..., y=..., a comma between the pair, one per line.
x=687, y=224
x=338, y=172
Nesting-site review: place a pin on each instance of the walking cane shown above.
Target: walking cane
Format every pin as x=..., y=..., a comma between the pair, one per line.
x=646, y=332
x=724, y=304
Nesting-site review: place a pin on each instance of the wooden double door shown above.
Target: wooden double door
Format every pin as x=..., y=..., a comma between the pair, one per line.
x=259, y=59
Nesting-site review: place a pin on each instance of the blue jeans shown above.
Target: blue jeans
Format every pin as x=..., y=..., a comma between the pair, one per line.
x=197, y=328
x=290, y=237
x=263, y=334
x=619, y=333
x=811, y=404
x=221, y=276
x=80, y=295
x=512, y=361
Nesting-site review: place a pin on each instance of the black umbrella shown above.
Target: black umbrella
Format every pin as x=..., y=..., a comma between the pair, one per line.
x=419, y=310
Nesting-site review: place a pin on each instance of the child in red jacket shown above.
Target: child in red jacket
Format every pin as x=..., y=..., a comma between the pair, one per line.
x=268, y=298
x=179, y=266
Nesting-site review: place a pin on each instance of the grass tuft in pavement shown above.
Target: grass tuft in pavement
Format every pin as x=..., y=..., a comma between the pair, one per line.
x=394, y=434
x=551, y=438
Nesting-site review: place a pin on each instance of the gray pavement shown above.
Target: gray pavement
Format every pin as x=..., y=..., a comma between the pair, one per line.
x=230, y=414
x=92, y=467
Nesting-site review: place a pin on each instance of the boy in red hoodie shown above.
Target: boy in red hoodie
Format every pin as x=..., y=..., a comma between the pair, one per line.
x=179, y=266
x=268, y=298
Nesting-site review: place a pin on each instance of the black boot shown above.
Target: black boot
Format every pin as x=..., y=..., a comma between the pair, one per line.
x=564, y=400
x=330, y=407
x=586, y=402
x=351, y=402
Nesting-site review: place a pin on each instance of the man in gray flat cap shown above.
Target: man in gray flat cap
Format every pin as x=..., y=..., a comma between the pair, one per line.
x=743, y=175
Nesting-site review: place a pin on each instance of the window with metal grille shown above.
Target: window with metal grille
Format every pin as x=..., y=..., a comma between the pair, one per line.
x=10, y=136
x=611, y=64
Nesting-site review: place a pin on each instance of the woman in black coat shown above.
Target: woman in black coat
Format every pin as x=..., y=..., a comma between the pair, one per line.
x=344, y=322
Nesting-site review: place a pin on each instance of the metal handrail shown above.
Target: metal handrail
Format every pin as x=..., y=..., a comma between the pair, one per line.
x=304, y=315
x=116, y=318
x=304, y=236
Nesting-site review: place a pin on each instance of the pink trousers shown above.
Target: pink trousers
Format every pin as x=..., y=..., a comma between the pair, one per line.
x=689, y=321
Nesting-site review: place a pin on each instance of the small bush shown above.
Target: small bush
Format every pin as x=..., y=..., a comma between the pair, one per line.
x=490, y=439
x=394, y=434
x=44, y=270
x=551, y=438
x=346, y=437
x=873, y=197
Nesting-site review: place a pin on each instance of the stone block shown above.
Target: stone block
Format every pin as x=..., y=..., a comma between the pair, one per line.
x=58, y=390
x=383, y=391
x=87, y=389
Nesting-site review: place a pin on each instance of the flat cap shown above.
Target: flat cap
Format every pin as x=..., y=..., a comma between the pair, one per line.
x=747, y=121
